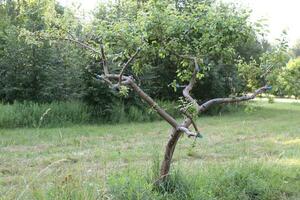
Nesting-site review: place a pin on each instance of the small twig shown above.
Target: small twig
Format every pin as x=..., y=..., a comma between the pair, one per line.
x=105, y=68
x=191, y=118
x=83, y=45
x=104, y=78
x=127, y=63
x=266, y=72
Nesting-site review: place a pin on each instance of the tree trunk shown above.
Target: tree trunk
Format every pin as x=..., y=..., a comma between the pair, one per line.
x=170, y=148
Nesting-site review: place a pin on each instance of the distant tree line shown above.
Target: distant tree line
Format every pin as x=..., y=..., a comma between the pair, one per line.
x=236, y=55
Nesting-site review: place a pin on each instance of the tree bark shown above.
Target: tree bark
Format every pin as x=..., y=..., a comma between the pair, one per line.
x=170, y=147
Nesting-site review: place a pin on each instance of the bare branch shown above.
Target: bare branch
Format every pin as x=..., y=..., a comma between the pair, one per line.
x=187, y=95
x=211, y=102
x=187, y=131
x=189, y=87
x=105, y=79
x=104, y=64
x=268, y=70
x=86, y=46
x=186, y=91
x=127, y=63
x=129, y=81
x=191, y=119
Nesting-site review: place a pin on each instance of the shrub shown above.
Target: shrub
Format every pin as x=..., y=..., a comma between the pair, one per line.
x=289, y=78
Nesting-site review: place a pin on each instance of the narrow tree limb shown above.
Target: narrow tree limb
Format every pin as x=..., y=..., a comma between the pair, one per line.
x=129, y=81
x=187, y=131
x=73, y=40
x=154, y=105
x=211, y=102
x=192, y=121
x=104, y=63
x=86, y=46
x=104, y=78
x=127, y=63
x=186, y=91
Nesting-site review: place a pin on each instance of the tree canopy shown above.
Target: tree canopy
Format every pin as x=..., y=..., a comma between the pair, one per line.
x=39, y=63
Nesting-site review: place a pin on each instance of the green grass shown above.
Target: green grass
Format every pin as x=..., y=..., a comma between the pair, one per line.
x=62, y=114
x=243, y=155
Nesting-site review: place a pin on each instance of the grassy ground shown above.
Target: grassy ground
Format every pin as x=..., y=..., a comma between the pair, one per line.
x=243, y=155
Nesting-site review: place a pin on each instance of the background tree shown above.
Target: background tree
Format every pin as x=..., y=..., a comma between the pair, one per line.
x=36, y=70
x=296, y=49
x=289, y=78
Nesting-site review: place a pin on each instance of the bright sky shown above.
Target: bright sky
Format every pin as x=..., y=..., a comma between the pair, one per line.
x=280, y=14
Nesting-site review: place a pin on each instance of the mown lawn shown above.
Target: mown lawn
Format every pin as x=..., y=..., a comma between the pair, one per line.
x=243, y=155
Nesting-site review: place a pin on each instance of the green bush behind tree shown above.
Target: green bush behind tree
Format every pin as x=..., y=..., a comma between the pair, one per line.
x=235, y=55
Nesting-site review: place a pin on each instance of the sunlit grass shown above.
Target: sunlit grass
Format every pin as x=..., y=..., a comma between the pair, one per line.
x=88, y=162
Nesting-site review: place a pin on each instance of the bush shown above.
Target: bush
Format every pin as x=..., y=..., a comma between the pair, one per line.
x=289, y=78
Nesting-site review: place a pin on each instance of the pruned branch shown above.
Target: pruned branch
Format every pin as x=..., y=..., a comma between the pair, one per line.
x=211, y=102
x=127, y=63
x=187, y=131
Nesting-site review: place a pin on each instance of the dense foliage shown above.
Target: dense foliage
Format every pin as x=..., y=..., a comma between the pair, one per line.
x=32, y=70
x=233, y=55
x=289, y=79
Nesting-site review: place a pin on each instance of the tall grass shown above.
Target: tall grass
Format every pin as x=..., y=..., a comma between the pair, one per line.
x=29, y=114
x=242, y=181
x=236, y=181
